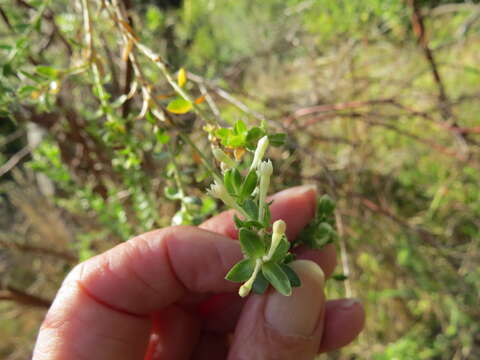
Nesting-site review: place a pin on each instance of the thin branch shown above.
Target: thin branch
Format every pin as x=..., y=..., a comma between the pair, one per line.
x=420, y=32
x=12, y=137
x=14, y=160
x=69, y=257
x=21, y=297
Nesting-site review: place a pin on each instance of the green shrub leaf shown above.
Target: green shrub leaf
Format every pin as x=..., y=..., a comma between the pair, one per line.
x=241, y=271
x=251, y=244
x=179, y=106
x=277, y=277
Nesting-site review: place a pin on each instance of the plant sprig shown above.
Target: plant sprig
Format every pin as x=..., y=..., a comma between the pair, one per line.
x=265, y=247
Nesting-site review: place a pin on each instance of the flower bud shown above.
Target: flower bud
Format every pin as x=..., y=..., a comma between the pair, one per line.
x=259, y=152
x=279, y=228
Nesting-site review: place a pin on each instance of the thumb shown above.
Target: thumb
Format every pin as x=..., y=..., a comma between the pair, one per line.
x=273, y=326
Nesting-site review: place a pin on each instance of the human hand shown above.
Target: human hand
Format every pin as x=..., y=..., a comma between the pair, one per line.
x=175, y=277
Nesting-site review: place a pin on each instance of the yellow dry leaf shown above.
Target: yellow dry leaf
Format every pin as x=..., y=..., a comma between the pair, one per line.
x=181, y=77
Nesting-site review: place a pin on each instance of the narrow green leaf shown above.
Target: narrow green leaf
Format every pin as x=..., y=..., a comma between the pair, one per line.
x=249, y=184
x=238, y=223
x=253, y=135
x=240, y=127
x=251, y=208
x=228, y=181
x=292, y=275
x=260, y=284
x=47, y=71
x=267, y=216
x=236, y=180
x=277, y=139
x=26, y=90
x=339, y=277
x=179, y=106
x=252, y=245
x=277, y=277
x=241, y=271
x=281, y=250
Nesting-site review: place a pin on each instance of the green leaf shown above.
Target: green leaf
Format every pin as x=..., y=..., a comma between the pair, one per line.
x=292, y=275
x=281, y=250
x=267, y=216
x=277, y=277
x=251, y=244
x=179, y=106
x=162, y=136
x=237, y=180
x=240, y=127
x=235, y=141
x=251, y=208
x=228, y=181
x=253, y=135
x=339, y=277
x=326, y=206
x=47, y=71
x=241, y=271
x=232, y=180
x=277, y=139
x=26, y=90
x=260, y=284
x=7, y=70
x=249, y=184
x=249, y=224
x=223, y=134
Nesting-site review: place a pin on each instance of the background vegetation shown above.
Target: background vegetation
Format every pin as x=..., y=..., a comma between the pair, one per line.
x=380, y=100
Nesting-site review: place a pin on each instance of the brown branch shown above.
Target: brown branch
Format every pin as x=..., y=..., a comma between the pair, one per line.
x=13, y=294
x=4, y=16
x=69, y=257
x=14, y=160
x=128, y=71
x=49, y=16
x=420, y=31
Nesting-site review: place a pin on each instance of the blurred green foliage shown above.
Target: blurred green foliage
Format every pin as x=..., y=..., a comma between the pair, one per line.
x=404, y=176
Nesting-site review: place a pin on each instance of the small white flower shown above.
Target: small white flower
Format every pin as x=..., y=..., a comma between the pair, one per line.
x=219, y=191
x=259, y=152
x=265, y=168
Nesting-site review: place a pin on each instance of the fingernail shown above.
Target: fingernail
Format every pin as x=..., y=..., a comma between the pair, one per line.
x=349, y=303
x=298, y=314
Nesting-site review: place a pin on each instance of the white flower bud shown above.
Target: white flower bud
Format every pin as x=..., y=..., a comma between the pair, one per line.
x=279, y=228
x=259, y=152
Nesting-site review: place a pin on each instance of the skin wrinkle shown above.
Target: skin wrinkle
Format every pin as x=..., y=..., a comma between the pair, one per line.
x=132, y=248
